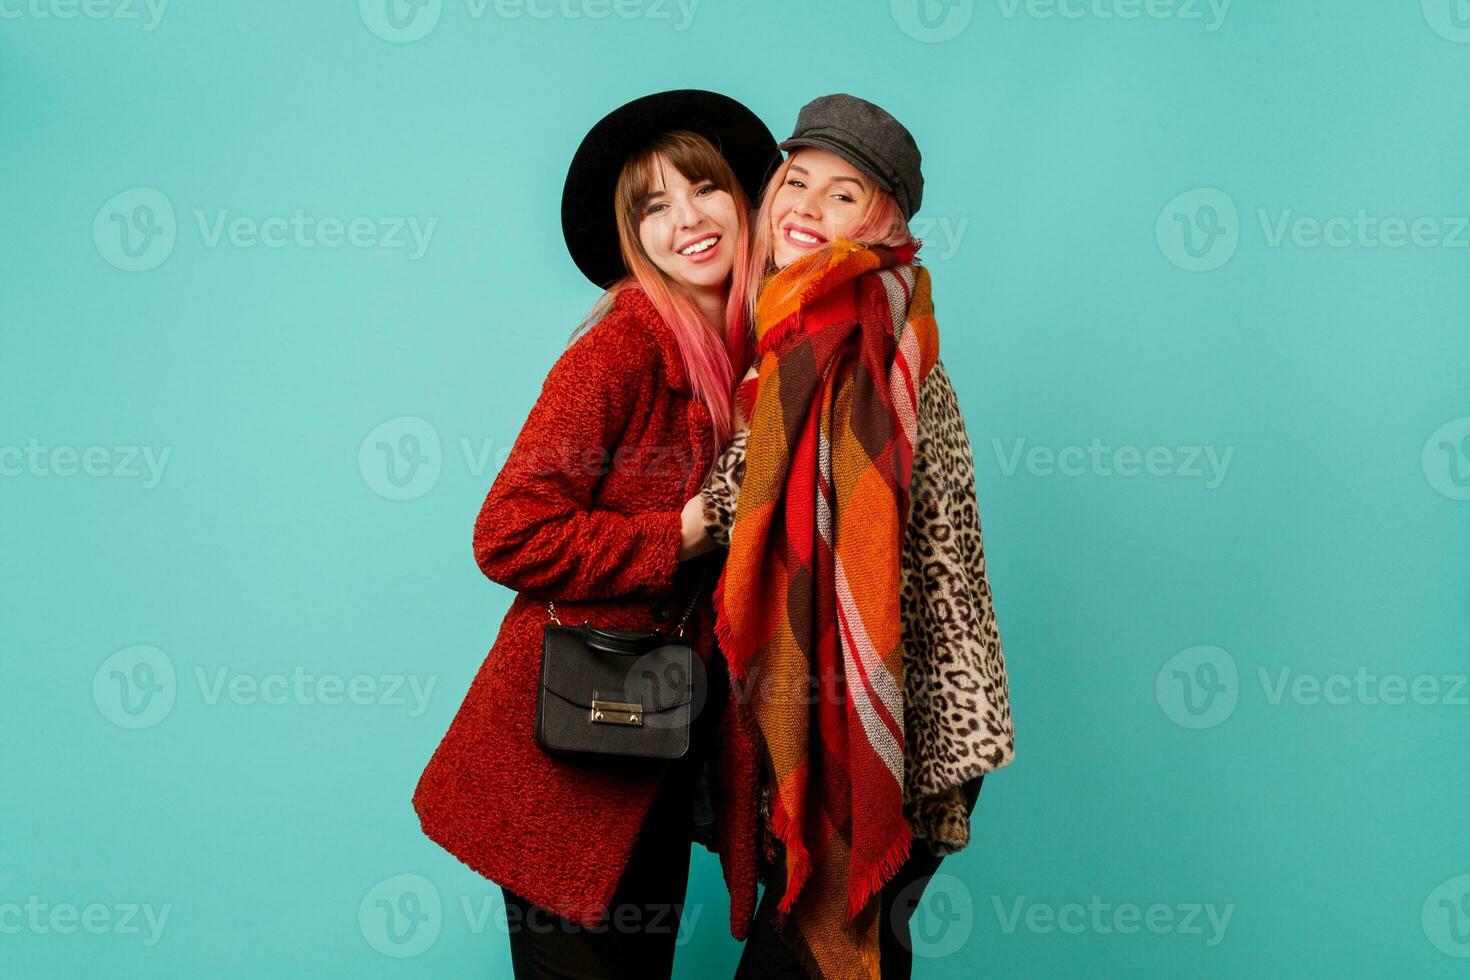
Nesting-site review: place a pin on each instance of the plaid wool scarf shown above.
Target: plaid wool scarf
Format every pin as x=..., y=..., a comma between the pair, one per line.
x=808, y=605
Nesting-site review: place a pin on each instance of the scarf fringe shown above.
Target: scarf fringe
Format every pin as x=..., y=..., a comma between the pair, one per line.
x=798, y=861
x=725, y=636
x=880, y=874
x=772, y=339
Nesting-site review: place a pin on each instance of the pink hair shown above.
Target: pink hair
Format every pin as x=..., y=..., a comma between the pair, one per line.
x=709, y=359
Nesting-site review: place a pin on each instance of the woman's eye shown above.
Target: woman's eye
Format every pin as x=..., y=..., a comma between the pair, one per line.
x=654, y=208
x=795, y=182
x=844, y=198
x=707, y=189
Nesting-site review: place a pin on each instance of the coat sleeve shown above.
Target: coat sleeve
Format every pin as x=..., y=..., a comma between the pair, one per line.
x=957, y=713
x=944, y=477
x=721, y=490
x=538, y=531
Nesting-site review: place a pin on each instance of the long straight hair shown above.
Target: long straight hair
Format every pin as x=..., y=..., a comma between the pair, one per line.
x=882, y=223
x=710, y=357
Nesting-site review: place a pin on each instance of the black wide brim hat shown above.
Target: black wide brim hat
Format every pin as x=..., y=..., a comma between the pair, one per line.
x=588, y=220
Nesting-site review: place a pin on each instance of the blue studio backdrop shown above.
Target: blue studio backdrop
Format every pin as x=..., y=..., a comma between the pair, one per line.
x=280, y=282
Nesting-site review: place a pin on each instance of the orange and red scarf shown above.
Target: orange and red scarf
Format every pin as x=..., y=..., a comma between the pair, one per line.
x=808, y=604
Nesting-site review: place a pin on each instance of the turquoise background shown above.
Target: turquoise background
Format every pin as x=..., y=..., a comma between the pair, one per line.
x=1056, y=146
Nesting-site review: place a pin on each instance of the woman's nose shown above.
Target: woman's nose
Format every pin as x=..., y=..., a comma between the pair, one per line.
x=688, y=213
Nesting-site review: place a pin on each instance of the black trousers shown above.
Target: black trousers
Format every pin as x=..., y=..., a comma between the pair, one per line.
x=638, y=935
x=767, y=957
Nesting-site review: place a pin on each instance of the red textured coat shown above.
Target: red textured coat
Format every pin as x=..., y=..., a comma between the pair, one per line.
x=586, y=512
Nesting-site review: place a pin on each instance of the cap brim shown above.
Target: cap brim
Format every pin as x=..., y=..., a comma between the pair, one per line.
x=845, y=152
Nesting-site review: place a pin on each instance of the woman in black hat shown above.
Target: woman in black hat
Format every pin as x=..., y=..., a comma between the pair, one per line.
x=596, y=517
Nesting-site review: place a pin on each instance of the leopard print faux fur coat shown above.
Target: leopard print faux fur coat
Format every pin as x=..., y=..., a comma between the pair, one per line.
x=957, y=713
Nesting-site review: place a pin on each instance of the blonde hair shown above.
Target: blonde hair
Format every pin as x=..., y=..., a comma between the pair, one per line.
x=709, y=359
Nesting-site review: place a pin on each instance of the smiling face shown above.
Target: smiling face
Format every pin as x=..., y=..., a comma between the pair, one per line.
x=688, y=228
x=823, y=198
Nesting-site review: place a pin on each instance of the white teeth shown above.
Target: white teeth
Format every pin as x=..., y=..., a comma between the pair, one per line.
x=802, y=236
x=700, y=246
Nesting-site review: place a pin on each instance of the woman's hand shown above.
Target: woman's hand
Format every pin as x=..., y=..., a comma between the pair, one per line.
x=695, y=539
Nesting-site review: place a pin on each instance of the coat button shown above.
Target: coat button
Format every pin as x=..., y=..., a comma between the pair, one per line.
x=661, y=612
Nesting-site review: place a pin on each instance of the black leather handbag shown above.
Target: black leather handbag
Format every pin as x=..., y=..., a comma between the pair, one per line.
x=618, y=692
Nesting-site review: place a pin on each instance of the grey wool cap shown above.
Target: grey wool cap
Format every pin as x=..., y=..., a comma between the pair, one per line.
x=869, y=138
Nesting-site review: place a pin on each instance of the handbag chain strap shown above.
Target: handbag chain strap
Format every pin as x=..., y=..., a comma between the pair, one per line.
x=688, y=610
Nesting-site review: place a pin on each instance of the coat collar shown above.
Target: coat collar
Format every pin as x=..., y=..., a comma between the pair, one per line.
x=635, y=302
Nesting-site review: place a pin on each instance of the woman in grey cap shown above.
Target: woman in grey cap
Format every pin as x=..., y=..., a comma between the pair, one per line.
x=854, y=555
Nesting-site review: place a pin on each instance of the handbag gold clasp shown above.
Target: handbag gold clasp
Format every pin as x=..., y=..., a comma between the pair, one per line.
x=616, y=713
